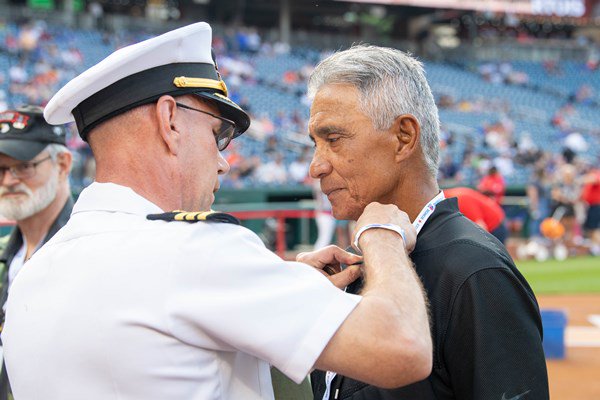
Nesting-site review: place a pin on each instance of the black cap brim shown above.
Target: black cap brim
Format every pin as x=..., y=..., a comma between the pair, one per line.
x=134, y=90
x=22, y=150
x=228, y=109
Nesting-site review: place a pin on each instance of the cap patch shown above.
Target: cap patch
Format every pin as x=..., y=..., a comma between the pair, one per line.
x=18, y=120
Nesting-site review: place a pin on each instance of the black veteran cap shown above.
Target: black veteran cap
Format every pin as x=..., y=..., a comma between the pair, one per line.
x=177, y=63
x=24, y=133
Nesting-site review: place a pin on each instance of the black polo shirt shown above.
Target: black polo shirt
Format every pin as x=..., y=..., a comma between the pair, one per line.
x=486, y=325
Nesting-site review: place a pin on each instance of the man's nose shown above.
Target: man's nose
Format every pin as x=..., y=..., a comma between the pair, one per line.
x=8, y=179
x=319, y=166
x=223, y=165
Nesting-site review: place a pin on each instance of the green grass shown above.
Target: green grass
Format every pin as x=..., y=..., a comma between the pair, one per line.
x=574, y=275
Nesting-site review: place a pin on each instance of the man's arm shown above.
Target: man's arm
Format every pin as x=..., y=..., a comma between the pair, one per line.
x=385, y=341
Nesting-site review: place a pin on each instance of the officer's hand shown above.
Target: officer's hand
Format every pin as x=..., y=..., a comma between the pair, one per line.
x=328, y=261
x=376, y=213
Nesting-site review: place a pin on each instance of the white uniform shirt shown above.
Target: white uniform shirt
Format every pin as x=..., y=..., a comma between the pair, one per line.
x=115, y=306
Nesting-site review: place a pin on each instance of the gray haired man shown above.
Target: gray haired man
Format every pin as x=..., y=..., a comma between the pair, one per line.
x=375, y=126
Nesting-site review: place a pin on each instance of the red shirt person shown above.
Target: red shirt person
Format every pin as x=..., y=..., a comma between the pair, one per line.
x=493, y=185
x=480, y=209
x=591, y=189
x=591, y=195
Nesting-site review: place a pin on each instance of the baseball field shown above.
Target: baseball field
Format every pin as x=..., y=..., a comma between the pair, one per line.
x=573, y=286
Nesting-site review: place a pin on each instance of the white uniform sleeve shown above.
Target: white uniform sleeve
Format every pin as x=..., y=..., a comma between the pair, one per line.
x=234, y=294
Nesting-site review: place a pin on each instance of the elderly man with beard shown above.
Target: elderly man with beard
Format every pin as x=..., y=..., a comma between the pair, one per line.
x=34, y=191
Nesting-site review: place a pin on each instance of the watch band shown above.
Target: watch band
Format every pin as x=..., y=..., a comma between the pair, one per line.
x=389, y=227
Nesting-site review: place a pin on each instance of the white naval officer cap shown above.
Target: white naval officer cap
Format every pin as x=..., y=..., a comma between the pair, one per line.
x=176, y=63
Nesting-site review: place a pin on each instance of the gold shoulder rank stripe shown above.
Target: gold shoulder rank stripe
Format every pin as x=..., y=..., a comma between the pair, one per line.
x=210, y=216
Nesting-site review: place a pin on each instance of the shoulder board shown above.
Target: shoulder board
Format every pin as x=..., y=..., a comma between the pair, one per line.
x=210, y=216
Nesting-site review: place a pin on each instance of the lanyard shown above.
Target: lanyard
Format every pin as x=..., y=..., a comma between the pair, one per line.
x=427, y=211
x=328, y=379
x=418, y=223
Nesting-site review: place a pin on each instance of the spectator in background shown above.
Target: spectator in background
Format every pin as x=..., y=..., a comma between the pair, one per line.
x=527, y=151
x=504, y=163
x=584, y=94
x=97, y=13
x=448, y=168
x=575, y=143
x=267, y=128
x=29, y=37
x=493, y=185
x=18, y=73
x=323, y=217
x=482, y=210
x=249, y=166
x=34, y=192
x=539, y=191
x=591, y=196
x=233, y=156
x=299, y=167
x=566, y=193
x=272, y=146
x=273, y=172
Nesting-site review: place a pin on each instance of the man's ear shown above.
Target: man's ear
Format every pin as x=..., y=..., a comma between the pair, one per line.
x=166, y=110
x=407, y=131
x=64, y=162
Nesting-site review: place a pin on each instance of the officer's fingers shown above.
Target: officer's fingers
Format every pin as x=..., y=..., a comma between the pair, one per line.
x=321, y=257
x=344, y=257
x=334, y=255
x=306, y=258
x=301, y=255
x=346, y=277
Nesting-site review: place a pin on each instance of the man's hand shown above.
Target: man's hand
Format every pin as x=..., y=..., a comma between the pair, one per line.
x=328, y=261
x=388, y=332
x=376, y=213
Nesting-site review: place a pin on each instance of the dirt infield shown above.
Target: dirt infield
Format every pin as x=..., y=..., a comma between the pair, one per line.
x=577, y=377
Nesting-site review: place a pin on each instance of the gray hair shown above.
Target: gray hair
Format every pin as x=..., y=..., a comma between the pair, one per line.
x=391, y=83
x=55, y=149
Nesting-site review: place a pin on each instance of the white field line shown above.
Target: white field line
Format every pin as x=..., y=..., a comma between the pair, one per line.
x=594, y=319
x=582, y=336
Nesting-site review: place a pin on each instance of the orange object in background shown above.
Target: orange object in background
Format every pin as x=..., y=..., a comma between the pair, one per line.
x=552, y=228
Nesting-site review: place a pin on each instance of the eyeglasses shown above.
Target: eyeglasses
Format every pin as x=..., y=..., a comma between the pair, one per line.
x=21, y=171
x=225, y=132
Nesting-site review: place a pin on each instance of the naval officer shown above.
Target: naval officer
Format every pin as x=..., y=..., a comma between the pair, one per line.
x=132, y=301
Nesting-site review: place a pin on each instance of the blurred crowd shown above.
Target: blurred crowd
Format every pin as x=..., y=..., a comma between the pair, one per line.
x=41, y=58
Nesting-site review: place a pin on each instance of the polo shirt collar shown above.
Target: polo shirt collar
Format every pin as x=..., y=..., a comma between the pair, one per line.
x=443, y=209
x=111, y=197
